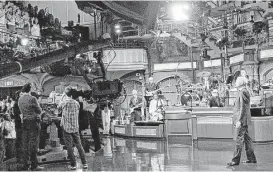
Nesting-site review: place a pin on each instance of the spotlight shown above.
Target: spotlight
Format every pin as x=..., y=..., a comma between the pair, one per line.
x=117, y=26
x=24, y=41
x=178, y=12
x=118, y=31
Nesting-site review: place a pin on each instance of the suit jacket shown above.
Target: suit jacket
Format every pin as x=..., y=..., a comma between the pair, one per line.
x=29, y=107
x=135, y=103
x=241, y=110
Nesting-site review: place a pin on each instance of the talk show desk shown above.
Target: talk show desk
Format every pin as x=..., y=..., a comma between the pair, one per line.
x=199, y=123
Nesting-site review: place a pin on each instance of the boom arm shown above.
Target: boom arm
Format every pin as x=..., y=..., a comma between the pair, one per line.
x=8, y=69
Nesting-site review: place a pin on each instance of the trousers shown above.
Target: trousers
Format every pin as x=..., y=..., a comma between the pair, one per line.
x=242, y=139
x=10, y=148
x=71, y=139
x=106, y=122
x=30, y=142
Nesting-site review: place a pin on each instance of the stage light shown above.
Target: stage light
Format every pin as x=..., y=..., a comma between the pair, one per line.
x=24, y=41
x=118, y=31
x=178, y=11
x=117, y=26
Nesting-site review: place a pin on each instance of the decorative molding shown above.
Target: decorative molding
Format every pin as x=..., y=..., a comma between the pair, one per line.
x=236, y=59
x=174, y=66
x=212, y=63
x=266, y=54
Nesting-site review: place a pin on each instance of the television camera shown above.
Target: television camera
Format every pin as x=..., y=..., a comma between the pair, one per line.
x=101, y=89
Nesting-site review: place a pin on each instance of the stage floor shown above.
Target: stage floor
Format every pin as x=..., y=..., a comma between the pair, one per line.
x=141, y=155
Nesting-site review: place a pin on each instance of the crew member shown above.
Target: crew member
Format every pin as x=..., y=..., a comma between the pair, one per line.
x=106, y=118
x=31, y=127
x=135, y=107
x=70, y=122
x=156, y=108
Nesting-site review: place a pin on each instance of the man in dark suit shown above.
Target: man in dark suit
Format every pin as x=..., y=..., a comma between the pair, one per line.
x=242, y=119
x=135, y=107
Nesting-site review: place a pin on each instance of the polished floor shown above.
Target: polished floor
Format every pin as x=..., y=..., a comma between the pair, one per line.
x=178, y=155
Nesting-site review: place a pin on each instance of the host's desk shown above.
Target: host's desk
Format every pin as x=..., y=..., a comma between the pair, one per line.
x=215, y=123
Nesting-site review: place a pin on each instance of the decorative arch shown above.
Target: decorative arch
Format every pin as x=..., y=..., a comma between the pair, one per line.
x=265, y=72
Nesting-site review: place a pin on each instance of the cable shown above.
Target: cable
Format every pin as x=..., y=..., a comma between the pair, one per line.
x=115, y=54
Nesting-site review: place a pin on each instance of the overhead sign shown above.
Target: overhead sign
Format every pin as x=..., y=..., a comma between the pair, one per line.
x=236, y=59
x=11, y=83
x=266, y=53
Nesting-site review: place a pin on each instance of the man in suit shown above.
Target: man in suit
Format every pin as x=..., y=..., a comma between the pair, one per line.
x=31, y=110
x=242, y=119
x=136, y=103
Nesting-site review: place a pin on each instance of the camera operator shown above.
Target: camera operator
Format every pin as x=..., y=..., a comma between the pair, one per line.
x=90, y=114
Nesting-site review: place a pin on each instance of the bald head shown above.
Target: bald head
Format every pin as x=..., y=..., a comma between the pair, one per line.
x=241, y=82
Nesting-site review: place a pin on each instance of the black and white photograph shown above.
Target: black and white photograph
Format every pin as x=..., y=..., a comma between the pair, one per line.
x=136, y=85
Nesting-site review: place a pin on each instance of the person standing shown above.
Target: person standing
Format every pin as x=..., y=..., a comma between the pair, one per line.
x=106, y=116
x=10, y=139
x=94, y=121
x=31, y=112
x=135, y=107
x=70, y=122
x=242, y=119
x=151, y=87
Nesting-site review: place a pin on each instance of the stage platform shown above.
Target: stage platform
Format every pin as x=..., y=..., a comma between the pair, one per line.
x=198, y=123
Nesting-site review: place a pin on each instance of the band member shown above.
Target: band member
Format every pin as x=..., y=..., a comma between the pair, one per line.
x=156, y=108
x=135, y=107
x=151, y=86
x=214, y=100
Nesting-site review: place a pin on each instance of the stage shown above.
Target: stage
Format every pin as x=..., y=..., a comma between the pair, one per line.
x=198, y=123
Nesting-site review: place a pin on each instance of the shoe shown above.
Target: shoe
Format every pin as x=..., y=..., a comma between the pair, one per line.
x=84, y=166
x=249, y=161
x=73, y=168
x=38, y=168
x=232, y=163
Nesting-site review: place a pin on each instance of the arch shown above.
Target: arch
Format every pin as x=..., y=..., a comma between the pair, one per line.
x=181, y=76
x=265, y=72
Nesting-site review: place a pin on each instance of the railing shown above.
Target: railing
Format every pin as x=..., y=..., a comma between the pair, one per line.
x=129, y=45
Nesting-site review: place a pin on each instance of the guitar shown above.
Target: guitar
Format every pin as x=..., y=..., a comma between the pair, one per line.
x=150, y=93
x=133, y=108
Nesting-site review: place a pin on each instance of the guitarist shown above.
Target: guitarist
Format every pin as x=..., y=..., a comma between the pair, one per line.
x=135, y=107
x=150, y=88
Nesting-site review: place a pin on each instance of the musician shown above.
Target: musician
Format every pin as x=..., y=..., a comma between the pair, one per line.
x=135, y=107
x=156, y=108
x=214, y=100
x=150, y=88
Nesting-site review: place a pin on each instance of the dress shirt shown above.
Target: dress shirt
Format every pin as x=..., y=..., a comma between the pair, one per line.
x=70, y=115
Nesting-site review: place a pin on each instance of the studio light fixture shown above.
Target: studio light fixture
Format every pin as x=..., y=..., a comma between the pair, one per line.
x=179, y=12
x=24, y=41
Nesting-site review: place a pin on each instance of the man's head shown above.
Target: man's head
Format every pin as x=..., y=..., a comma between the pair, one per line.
x=241, y=82
x=68, y=91
x=214, y=93
x=7, y=117
x=151, y=79
x=134, y=92
x=243, y=73
x=155, y=96
x=26, y=88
